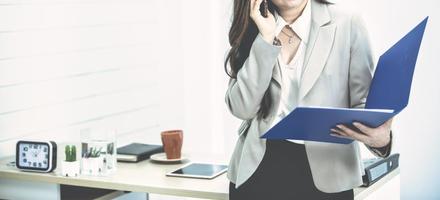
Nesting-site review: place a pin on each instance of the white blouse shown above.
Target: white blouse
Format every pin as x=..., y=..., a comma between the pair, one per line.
x=291, y=73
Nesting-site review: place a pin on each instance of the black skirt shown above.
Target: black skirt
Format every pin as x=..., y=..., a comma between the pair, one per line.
x=283, y=174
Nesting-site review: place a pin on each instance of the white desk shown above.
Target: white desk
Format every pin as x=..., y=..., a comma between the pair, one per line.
x=149, y=177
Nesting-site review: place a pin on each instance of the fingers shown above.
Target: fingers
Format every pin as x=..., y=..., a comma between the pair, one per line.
x=338, y=133
x=345, y=131
x=255, y=7
x=365, y=129
x=270, y=15
x=251, y=6
x=369, y=131
x=370, y=136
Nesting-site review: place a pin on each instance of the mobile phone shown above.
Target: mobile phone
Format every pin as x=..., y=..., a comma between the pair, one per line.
x=264, y=8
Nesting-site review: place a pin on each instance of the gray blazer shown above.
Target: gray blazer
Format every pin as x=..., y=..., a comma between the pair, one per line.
x=337, y=72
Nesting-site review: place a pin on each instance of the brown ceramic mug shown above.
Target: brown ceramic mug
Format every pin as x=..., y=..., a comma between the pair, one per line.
x=172, y=141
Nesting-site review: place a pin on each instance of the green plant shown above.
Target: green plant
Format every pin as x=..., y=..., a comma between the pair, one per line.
x=93, y=153
x=110, y=148
x=70, y=151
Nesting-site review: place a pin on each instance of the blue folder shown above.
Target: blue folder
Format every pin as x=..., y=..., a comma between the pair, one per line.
x=388, y=95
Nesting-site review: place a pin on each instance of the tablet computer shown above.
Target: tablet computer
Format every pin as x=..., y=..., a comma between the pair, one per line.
x=199, y=170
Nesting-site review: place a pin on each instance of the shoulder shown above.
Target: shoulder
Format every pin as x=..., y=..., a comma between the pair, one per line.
x=346, y=19
x=341, y=14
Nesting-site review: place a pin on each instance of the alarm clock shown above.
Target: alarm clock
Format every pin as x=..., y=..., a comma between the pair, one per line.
x=36, y=156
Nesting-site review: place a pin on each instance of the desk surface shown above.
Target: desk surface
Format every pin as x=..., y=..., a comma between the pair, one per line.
x=147, y=176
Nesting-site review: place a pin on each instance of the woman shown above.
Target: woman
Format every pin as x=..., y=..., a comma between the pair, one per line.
x=309, y=53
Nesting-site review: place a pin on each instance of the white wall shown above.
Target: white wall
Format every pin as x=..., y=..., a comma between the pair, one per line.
x=209, y=125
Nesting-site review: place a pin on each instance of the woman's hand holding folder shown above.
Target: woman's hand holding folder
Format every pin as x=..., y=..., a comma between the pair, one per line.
x=374, y=137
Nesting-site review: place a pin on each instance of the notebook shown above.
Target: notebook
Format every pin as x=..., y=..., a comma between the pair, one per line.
x=136, y=152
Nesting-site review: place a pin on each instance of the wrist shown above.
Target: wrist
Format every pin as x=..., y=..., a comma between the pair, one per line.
x=384, y=151
x=387, y=143
x=269, y=38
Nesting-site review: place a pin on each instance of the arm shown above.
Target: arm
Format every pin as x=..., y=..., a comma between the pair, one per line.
x=361, y=64
x=245, y=92
x=361, y=73
x=377, y=140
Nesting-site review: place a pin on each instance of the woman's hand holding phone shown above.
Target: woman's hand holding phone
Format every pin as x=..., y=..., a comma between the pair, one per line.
x=266, y=25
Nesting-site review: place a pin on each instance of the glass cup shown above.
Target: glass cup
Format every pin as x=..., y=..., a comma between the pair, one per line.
x=98, y=155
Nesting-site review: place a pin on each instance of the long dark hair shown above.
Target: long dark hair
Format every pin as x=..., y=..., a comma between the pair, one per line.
x=241, y=36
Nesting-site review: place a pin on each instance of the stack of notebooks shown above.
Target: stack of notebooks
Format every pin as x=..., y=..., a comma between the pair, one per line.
x=136, y=152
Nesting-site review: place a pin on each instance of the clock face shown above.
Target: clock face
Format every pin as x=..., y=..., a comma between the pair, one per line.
x=32, y=155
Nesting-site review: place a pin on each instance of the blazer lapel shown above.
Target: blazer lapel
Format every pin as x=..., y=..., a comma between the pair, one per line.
x=321, y=36
x=276, y=74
